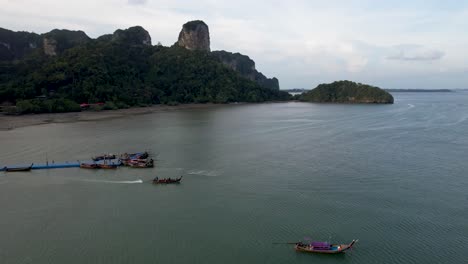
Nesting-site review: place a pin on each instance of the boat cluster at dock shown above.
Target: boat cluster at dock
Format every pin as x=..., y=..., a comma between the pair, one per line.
x=105, y=161
x=111, y=161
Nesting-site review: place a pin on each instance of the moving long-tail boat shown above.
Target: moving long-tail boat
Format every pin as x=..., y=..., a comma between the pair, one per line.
x=16, y=169
x=323, y=247
x=166, y=180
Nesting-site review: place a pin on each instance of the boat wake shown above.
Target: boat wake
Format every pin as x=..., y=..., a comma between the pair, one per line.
x=123, y=182
x=410, y=105
x=204, y=173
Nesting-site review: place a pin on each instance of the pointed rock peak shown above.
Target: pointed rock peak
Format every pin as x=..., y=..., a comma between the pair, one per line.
x=134, y=36
x=195, y=35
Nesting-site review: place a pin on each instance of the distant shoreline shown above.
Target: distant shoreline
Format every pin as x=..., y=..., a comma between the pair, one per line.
x=418, y=90
x=10, y=122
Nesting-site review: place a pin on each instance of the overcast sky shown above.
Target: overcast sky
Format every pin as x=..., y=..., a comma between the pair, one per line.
x=391, y=44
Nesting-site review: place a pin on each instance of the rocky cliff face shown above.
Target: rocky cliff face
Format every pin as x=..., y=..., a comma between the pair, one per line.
x=59, y=40
x=194, y=36
x=133, y=36
x=246, y=67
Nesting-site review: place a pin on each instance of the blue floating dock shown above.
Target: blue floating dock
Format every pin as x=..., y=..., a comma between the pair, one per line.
x=61, y=165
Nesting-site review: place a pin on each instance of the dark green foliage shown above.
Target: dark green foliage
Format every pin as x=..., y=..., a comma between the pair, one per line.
x=46, y=106
x=195, y=76
x=347, y=92
x=123, y=74
x=131, y=36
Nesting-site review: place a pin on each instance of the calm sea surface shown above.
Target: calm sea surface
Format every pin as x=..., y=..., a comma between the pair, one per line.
x=393, y=176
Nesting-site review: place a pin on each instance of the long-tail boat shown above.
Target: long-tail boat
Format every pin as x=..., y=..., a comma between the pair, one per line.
x=16, y=169
x=90, y=166
x=166, y=180
x=323, y=247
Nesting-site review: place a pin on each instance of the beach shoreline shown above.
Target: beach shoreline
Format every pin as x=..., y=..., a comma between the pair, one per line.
x=10, y=122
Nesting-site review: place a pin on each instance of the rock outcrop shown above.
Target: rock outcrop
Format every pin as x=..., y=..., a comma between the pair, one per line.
x=133, y=36
x=59, y=40
x=50, y=46
x=245, y=67
x=195, y=35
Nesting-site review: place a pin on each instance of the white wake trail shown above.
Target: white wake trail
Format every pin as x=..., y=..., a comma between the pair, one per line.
x=125, y=182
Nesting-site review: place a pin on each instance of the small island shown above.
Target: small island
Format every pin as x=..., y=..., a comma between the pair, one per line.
x=347, y=92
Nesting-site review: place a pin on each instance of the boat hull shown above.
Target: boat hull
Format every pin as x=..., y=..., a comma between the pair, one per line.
x=18, y=169
x=167, y=181
x=323, y=247
x=89, y=166
x=339, y=249
x=106, y=166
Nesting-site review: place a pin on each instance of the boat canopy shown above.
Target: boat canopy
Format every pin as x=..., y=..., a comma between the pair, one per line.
x=320, y=244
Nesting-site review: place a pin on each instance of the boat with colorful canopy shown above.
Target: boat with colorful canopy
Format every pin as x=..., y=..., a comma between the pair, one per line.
x=323, y=247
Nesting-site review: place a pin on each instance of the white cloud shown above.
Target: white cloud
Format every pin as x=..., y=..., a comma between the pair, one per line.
x=415, y=53
x=137, y=2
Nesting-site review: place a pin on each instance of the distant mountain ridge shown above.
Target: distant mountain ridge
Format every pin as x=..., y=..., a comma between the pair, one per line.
x=16, y=45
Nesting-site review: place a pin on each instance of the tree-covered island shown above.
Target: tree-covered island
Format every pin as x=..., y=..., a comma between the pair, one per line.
x=347, y=92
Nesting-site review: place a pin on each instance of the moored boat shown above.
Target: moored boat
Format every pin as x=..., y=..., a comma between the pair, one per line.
x=323, y=247
x=133, y=156
x=140, y=164
x=89, y=166
x=104, y=157
x=108, y=166
x=166, y=180
x=17, y=169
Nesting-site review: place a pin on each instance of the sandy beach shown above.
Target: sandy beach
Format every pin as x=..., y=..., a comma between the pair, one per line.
x=8, y=122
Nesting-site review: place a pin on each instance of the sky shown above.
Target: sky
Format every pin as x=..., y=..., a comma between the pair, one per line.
x=391, y=44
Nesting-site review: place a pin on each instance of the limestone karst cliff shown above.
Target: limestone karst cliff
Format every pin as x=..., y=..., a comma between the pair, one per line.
x=246, y=67
x=194, y=35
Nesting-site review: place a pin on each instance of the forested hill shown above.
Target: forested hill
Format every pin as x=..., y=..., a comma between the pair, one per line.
x=347, y=92
x=54, y=72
